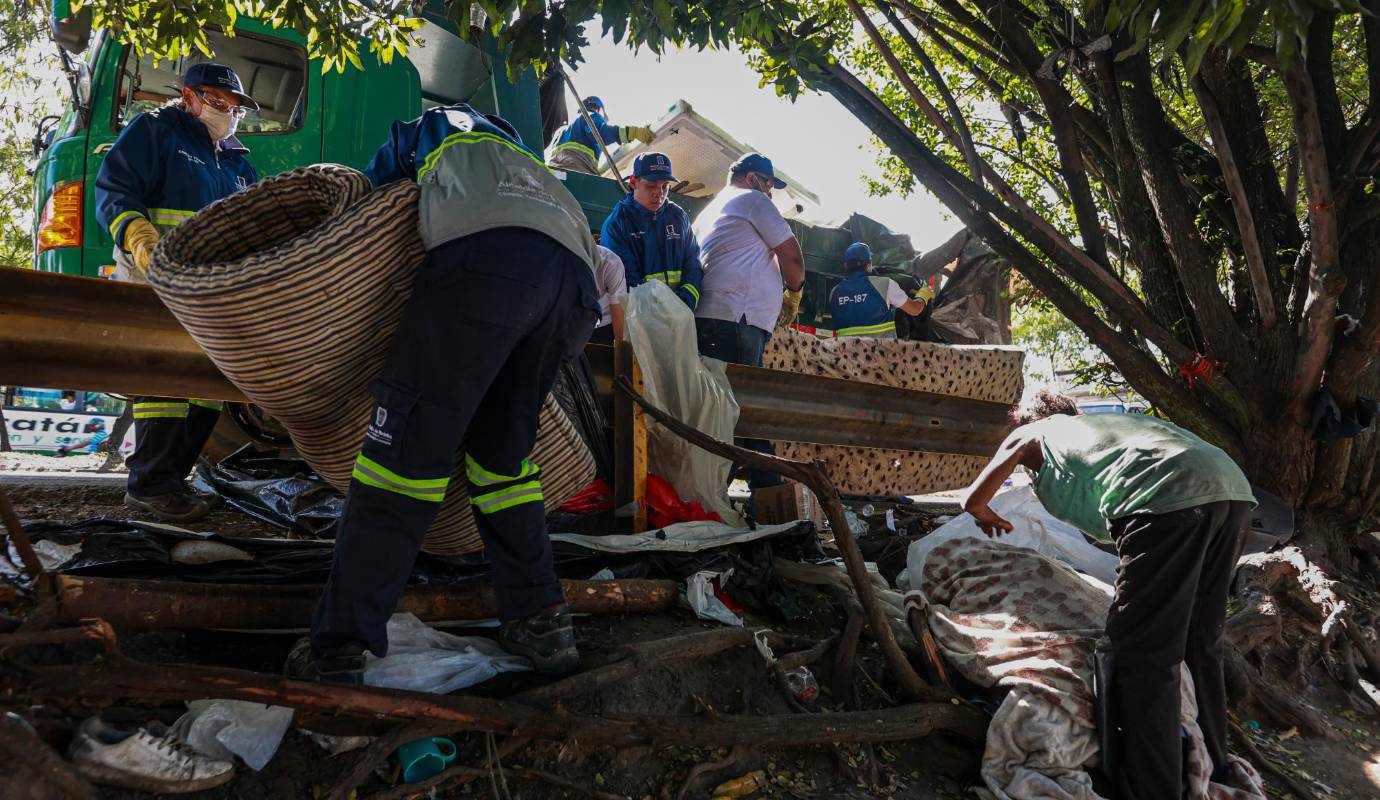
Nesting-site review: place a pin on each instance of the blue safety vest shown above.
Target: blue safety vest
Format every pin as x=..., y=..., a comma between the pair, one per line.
x=578, y=137
x=475, y=175
x=165, y=168
x=858, y=304
x=654, y=247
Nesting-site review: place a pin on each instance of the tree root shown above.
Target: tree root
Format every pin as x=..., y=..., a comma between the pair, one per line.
x=1265, y=765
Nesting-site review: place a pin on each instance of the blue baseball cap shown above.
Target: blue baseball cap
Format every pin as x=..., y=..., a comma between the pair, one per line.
x=857, y=251
x=653, y=167
x=756, y=162
x=218, y=76
x=592, y=103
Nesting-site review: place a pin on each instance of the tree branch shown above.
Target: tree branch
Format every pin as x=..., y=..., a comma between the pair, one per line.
x=965, y=135
x=1325, y=279
x=1245, y=221
x=957, y=193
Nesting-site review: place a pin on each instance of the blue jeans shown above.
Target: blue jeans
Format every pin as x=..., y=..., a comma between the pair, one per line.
x=738, y=343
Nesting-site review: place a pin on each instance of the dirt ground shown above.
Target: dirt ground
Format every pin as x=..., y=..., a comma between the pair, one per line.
x=734, y=682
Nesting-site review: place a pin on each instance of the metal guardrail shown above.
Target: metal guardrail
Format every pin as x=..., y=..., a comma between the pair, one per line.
x=82, y=333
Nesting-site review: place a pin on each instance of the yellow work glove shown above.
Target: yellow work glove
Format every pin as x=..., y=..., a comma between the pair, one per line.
x=641, y=133
x=790, y=306
x=924, y=293
x=140, y=239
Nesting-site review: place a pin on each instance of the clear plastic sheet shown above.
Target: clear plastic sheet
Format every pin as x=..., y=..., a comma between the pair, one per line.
x=693, y=389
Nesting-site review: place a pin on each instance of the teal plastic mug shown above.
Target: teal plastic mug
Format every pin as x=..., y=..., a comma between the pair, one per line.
x=423, y=758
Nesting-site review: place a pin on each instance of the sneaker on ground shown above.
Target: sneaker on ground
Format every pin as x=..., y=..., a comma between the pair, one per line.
x=171, y=507
x=547, y=639
x=150, y=759
x=345, y=666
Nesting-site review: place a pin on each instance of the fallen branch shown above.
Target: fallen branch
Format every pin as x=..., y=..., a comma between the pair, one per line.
x=817, y=479
x=33, y=769
x=32, y=565
x=120, y=677
x=128, y=603
x=1264, y=764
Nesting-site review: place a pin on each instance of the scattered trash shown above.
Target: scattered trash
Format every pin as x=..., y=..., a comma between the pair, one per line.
x=281, y=491
x=1252, y=725
x=223, y=729
x=597, y=496
x=424, y=758
x=423, y=659
x=891, y=520
x=803, y=685
x=335, y=745
x=702, y=591
x=855, y=524
x=150, y=759
x=665, y=507
x=604, y=574
x=194, y=552
x=742, y=787
x=53, y=555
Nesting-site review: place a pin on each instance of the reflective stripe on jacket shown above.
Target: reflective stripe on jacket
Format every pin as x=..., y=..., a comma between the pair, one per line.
x=858, y=305
x=475, y=175
x=576, y=145
x=165, y=168
x=657, y=246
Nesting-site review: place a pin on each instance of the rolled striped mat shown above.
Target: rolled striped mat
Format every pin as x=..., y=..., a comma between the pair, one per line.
x=294, y=288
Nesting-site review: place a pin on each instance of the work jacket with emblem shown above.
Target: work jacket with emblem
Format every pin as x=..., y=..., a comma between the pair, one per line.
x=576, y=148
x=165, y=168
x=859, y=307
x=475, y=174
x=655, y=246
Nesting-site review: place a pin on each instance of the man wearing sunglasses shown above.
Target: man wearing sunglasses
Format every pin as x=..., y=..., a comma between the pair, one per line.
x=167, y=165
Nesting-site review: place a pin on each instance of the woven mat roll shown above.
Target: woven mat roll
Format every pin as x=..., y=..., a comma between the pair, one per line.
x=294, y=288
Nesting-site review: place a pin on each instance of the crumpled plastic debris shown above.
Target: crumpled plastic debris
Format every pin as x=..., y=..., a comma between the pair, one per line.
x=706, y=599
x=223, y=729
x=423, y=659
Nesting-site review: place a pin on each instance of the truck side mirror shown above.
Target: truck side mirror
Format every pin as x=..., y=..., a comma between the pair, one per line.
x=72, y=32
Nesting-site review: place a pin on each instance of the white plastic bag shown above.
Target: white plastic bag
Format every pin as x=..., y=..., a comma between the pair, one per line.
x=694, y=390
x=699, y=592
x=224, y=729
x=1034, y=528
x=423, y=659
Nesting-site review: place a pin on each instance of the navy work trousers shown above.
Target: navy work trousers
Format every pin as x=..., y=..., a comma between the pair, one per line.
x=491, y=319
x=168, y=437
x=738, y=343
x=1170, y=607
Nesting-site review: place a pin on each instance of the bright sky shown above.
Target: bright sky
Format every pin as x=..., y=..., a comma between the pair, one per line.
x=815, y=140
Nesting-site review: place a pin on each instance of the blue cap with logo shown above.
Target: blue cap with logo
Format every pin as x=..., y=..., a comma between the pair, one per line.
x=756, y=162
x=653, y=167
x=218, y=76
x=857, y=251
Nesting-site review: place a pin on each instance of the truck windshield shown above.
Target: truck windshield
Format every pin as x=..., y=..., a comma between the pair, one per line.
x=273, y=72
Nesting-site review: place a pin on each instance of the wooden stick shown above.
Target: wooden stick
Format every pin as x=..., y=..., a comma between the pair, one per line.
x=120, y=677
x=32, y=565
x=1263, y=763
x=33, y=769
x=817, y=479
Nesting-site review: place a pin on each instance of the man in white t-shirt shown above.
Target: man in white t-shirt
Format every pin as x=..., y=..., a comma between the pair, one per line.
x=613, y=293
x=747, y=250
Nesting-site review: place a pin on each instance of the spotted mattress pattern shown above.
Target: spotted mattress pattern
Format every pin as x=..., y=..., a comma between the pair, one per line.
x=978, y=372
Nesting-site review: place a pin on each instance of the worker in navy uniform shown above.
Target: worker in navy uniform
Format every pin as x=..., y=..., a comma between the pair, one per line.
x=576, y=148
x=864, y=304
x=168, y=164
x=652, y=234
x=505, y=296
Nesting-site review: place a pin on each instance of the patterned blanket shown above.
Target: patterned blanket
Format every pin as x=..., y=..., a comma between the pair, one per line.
x=1009, y=617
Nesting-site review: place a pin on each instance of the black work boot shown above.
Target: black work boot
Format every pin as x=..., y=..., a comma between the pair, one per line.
x=547, y=639
x=343, y=665
x=181, y=506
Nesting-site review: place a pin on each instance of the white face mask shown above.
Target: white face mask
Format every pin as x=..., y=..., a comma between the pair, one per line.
x=221, y=124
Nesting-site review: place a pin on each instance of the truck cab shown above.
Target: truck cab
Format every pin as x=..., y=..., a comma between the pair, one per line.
x=305, y=117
